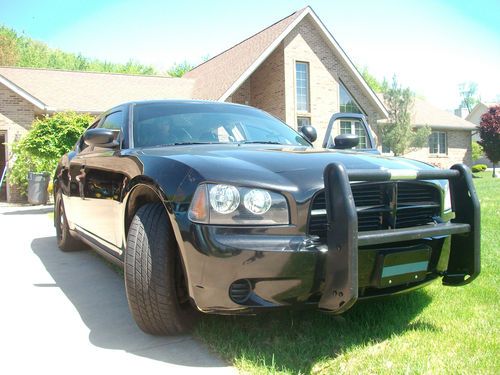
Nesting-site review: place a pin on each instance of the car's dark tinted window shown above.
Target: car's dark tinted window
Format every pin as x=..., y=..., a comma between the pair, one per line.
x=177, y=123
x=113, y=121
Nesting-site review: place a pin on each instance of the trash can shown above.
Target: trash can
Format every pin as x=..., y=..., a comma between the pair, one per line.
x=38, y=184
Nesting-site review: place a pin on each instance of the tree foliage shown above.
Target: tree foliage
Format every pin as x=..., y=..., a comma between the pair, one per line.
x=376, y=85
x=399, y=134
x=22, y=51
x=489, y=131
x=41, y=148
x=178, y=70
x=477, y=151
x=468, y=93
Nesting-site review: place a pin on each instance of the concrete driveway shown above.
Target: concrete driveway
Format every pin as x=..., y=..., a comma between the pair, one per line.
x=64, y=313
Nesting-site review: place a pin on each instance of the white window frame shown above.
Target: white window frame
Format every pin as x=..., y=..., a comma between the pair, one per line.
x=353, y=131
x=439, y=152
x=303, y=113
x=307, y=118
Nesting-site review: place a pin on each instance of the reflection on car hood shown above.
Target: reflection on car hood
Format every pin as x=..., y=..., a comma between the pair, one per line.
x=273, y=166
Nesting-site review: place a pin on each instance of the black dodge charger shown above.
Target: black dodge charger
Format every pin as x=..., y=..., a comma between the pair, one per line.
x=222, y=208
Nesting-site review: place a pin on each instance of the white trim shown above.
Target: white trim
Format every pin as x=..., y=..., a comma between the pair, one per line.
x=335, y=46
x=349, y=63
x=263, y=56
x=25, y=95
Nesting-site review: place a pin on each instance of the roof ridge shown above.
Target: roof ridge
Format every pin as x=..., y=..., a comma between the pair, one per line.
x=250, y=37
x=85, y=71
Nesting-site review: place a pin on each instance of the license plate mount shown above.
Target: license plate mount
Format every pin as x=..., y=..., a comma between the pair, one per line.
x=403, y=267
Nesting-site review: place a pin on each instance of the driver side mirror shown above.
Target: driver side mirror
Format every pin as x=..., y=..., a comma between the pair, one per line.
x=100, y=138
x=346, y=141
x=309, y=132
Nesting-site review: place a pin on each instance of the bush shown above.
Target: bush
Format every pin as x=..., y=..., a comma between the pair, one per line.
x=477, y=151
x=41, y=148
x=479, y=168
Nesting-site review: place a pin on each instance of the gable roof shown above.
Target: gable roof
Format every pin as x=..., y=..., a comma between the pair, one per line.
x=426, y=114
x=220, y=76
x=215, y=77
x=481, y=107
x=59, y=90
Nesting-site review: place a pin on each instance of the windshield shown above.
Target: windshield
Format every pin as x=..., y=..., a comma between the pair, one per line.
x=158, y=124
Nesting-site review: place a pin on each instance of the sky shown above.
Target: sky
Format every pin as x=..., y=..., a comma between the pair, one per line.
x=430, y=45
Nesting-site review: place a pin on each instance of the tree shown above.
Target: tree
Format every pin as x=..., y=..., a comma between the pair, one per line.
x=399, y=134
x=468, y=93
x=41, y=148
x=9, y=53
x=489, y=131
x=22, y=51
x=178, y=70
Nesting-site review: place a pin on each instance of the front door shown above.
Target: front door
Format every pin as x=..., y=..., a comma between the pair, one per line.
x=98, y=186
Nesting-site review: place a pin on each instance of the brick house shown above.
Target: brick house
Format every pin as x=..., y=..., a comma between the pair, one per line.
x=293, y=69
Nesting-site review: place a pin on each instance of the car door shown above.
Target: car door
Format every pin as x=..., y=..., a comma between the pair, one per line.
x=100, y=184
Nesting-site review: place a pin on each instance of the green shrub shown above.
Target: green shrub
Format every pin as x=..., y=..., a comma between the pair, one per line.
x=477, y=151
x=41, y=148
x=479, y=168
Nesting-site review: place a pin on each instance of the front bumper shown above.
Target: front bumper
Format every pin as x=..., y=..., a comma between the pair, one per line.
x=281, y=269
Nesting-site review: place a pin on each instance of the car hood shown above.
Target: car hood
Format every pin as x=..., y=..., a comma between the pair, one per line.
x=274, y=166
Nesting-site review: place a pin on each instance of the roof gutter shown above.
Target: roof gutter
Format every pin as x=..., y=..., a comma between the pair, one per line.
x=24, y=94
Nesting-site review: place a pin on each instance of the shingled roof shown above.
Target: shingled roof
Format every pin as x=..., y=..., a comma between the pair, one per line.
x=216, y=76
x=215, y=79
x=59, y=90
x=426, y=114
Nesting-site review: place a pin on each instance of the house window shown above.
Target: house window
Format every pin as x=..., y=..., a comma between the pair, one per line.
x=347, y=102
x=303, y=121
x=302, y=86
x=355, y=127
x=438, y=144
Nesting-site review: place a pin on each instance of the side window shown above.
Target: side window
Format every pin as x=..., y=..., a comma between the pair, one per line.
x=113, y=121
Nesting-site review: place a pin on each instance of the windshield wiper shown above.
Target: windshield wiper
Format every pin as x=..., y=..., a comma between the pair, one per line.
x=193, y=143
x=262, y=142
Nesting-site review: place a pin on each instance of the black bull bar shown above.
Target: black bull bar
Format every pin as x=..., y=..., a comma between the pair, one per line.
x=341, y=280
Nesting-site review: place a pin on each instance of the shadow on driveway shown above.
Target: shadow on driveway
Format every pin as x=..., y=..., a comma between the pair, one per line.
x=34, y=211
x=98, y=294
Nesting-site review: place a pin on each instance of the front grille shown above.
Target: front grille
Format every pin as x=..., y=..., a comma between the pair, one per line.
x=383, y=206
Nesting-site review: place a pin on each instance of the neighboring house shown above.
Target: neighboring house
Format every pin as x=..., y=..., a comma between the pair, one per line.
x=293, y=69
x=475, y=117
x=450, y=140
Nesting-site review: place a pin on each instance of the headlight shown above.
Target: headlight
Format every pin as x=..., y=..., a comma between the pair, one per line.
x=231, y=205
x=224, y=198
x=447, y=197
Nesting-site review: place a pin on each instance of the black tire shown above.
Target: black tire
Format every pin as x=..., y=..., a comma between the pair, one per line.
x=65, y=239
x=154, y=280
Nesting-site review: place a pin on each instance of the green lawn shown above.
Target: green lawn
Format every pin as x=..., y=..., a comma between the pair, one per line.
x=434, y=330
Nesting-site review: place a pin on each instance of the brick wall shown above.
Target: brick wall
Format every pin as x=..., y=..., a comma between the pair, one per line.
x=16, y=117
x=265, y=88
x=459, y=151
x=305, y=43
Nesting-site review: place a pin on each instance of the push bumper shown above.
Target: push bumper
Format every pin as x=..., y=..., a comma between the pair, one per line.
x=341, y=275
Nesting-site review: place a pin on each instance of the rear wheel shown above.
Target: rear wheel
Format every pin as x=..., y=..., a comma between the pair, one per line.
x=154, y=278
x=65, y=239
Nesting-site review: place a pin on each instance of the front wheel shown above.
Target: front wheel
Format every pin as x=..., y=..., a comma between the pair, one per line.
x=65, y=239
x=154, y=280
